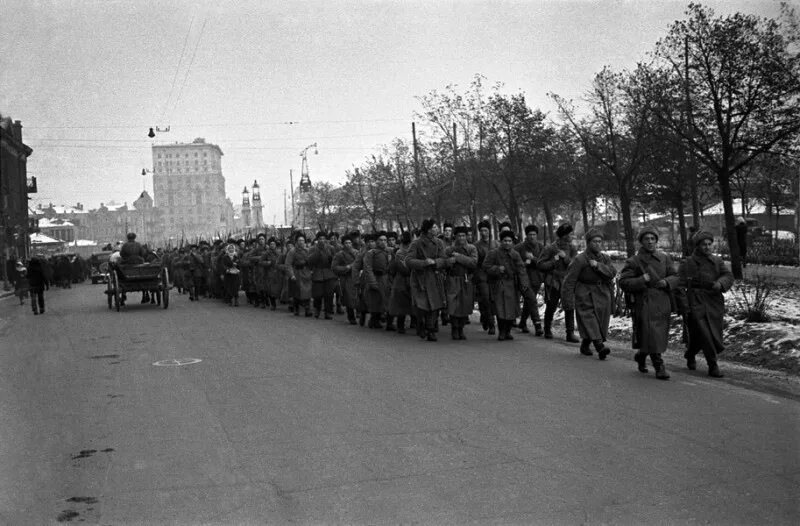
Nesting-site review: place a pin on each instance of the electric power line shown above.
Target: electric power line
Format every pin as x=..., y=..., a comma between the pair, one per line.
x=177, y=68
x=191, y=62
x=210, y=125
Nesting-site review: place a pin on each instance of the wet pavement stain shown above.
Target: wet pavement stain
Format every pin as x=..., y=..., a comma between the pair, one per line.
x=67, y=516
x=112, y=363
x=107, y=450
x=114, y=396
x=85, y=453
x=85, y=500
x=101, y=356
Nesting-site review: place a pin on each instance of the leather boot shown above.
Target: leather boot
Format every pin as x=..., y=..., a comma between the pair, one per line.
x=569, y=324
x=491, y=326
x=523, y=323
x=362, y=318
x=461, y=334
x=454, y=332
x=602, y=350
x=585, y=349
x=538, y=328
x=401, y=325
x=548, y=325
x=714, y=372
x=661, y=369
x=691, y=362
x=389, y=325
x=501, y=330
x=641, y=361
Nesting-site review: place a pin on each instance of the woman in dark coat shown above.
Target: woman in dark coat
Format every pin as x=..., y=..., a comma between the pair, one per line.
x=507, y=281
x=299, y=276
x=427, y=262
x=462, y=260
x=648, y=276
x=703, y=278
x=588, y=289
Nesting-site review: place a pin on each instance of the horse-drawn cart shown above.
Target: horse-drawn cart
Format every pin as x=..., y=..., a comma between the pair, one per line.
x=147, y=277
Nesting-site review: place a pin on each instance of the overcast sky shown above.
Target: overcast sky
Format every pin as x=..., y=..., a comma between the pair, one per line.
x=265, y=79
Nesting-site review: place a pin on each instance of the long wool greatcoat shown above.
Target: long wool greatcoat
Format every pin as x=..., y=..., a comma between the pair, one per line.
x=254, y=257
x=297, y=267
x=320, y=258
x=652, y=306
x=272, y=274
x=706, y=307
x=589, y=291
x=347, y=284
x=553, y=269
x=534, y=252
x=460, y=279
x=400, y=296
x=376, y=280
x=427, y=281
x=505, y=286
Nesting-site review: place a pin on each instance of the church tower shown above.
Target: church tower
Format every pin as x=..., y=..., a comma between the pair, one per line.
x=245, y=208
x=258, y=218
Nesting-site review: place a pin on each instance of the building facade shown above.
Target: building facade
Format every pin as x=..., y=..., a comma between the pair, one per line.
x=15, y=225
x=189, y=188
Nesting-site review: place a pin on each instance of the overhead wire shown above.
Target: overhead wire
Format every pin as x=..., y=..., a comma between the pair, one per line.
x=210, y=125
x=177, y=68
x=191, y=62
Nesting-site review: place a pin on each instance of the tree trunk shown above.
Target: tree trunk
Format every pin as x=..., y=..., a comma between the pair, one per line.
x=585, y=215
x=682, y=226
x=548, y=217
x=723, y=177
x=625, y=210
x=696, y=212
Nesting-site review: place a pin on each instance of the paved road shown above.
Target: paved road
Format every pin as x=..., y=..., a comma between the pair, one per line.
x=289, y=420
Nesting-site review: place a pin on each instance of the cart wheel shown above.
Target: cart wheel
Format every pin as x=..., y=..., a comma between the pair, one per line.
x=117, y=298
x=109, y=294
x=165, y=288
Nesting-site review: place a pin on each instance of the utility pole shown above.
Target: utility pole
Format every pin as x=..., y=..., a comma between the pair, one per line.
x=291, y=188
x=416, y=159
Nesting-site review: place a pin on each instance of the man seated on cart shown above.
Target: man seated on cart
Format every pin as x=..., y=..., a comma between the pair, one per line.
x=132, y=252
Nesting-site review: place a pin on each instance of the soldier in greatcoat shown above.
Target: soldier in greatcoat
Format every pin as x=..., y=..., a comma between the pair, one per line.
x=229, y=263
x=376, y=282
x=358, y=277
x=196, y=268
x=703, y=277
x=269, y=264
x=400, y=296
x=484, y=245
x=335, y=243
x=531, y=250
x=299, y=275
x=553, y=263
x=285, y=296
x=462, y=260
x=649, y=276
x=427, y=262
x=588, y=290
x=507, y=281
x=323, y=278
x=258, y=272
x=342, y=265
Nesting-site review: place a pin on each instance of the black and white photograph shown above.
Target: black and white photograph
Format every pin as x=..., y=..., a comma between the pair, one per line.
x=384, y=262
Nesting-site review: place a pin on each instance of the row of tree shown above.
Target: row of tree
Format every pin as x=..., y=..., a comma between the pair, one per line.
x=712, y=114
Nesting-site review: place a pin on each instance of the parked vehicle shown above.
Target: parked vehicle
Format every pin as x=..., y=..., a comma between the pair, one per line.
x=99, y=267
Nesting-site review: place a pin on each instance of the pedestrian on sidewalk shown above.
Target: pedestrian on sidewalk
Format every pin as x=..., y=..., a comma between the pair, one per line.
x=21, y=285
x=36, y=282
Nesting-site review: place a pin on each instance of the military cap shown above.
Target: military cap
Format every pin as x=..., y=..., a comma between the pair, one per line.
x=504, y=225
x=484, y=224
x=261, y=234
x=531, y=228
x=506, y=233
x=321, y=234
x=460, y=230
x=564, y=230
x=593, y=233
x=131, y=236
x=647, y=230
x=427, y=225
x=700, y=236
x=447, y=225
x=391, y=233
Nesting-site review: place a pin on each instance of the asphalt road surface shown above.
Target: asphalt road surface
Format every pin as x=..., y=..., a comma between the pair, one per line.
x=295, y=420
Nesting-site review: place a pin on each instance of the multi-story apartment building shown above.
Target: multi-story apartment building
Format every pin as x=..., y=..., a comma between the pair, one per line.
x=15, y=225
x=189, y=188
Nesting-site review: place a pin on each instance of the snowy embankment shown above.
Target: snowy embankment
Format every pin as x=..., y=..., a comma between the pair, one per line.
x=774, y=344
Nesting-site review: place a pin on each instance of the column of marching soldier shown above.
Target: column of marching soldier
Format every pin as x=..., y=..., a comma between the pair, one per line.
x=383, y=279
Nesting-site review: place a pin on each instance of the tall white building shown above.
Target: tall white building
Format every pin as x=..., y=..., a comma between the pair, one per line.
x=189, y=187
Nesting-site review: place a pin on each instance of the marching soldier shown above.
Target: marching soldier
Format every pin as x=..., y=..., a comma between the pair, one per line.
x=272, y=273
x=648, y=276
x=507, y=280
x=255, y=258
x=703, y=278
x=484, y=245
x=462, y=261
x=320, y=258
x=554, y=262
x=588, y=290
x=376, y=282
x=299, y=275
x=342, y=265
x=230, y=266
x=531, y=250
x=427, y=262
x=400, y=296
